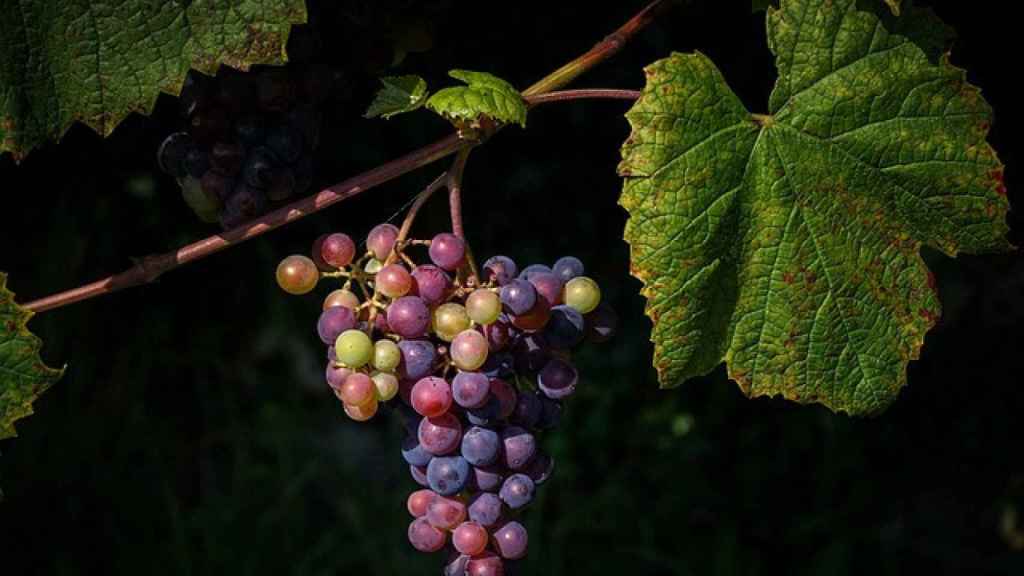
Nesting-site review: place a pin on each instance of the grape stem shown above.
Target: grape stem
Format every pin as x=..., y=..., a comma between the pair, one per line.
x=149, y=268
x=455, y=206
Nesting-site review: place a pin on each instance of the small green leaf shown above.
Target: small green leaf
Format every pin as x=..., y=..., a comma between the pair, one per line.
x=400, y=94
x=788, y=244
x=484, y=95
x=23, y=376
x=97, y=62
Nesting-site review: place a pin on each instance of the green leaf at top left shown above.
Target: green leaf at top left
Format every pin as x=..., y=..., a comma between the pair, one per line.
x=97, y=62
x=23, y=376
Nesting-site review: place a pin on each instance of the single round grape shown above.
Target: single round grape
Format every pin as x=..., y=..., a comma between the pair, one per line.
x=469, y=538
x=353, y=348
x=386, y=384
x=485, y=415
x=518, y=296
x=440, y=435
x=430, y=283
x=558, y=379
x=517, y=491
x=445, y=513
x=393, y=281
x=506, y=395
x=449, y=320
x=333, y=321
x=447, y=251
x=418, y=502
x=519, y=447
x=535, y=319
x=469, y=350
x=417, y=359
x=510, y=540
x=297, y=274
x=551, y=415
x=455, y=565
x=414, y=453
x=582, y=293
x=485, y=509
x=337, y=250
x=358, y=390
x=448, y=475
x=362, y=413
x=425, y=537
x=548, y=287
x=565, y=328
x=532, y=269
x=409, y=317
x=499, y=333
x=480, y=446
x=341, y=297
x=540, y=469
x=381, y=240
x=259, y=168
x=500, y=269
x=567, y=268
x=601, y=323
x=528, y=409
x=431, y=396
x=483, y=306
x=486, y=564
x=373, y=266
x=487, y=479
x=336, y=375
x=386, y=355
x=419, y=475
x=227, y=158
x=470, y=389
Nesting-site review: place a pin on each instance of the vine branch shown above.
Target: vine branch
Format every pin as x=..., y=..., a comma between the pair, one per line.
x=151, y=267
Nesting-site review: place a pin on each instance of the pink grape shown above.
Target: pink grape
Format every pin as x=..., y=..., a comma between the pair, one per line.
x=469, y=538
x=548, y=287
x=337, y=250
x=418, y=502
x=485, y=564
x=425, y=537
x=430, y=283
x=470, y=389
x=393, y=281
x=441, y=434
x=358, y=390
x=336, y=376
x=469, y=350
x=381, y=240
x=431, y=396
x=445, y=513
x=448, y=251
x=341, y=297
x=362, y=413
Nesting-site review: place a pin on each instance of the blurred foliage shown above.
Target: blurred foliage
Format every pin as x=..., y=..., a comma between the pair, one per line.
x=193, y=433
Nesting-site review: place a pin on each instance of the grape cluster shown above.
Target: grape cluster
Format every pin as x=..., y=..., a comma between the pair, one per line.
x=249, y=141
x=480, y=364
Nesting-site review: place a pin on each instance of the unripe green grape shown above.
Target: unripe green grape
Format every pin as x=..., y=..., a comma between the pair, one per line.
x=353, y=348
x=582, y=293
x=387, y=385
x=373, y=266
x=386, y=355
x=450, y=319
x=341, y=297
x=483, y=306
x=297, y=274
x=469, y=350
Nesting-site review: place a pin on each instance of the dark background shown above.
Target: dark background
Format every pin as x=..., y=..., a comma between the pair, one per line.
x=193, y=432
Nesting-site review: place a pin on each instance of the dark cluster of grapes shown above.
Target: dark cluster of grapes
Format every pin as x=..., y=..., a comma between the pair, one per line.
x=480, y=366
x=249, y=141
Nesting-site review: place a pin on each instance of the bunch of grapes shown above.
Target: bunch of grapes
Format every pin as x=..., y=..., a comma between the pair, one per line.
x=480, y=365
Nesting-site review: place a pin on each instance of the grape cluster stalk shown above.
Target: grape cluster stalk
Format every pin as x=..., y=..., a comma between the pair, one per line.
x=477, y=367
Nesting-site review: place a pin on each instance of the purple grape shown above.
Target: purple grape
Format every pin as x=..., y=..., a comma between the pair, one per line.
x=485, y=509
x=244, y=204
x=499, y=365
x=528, y=409
x=486, y=564
x=456, y=564
x=518, y=296
x=487, y=478
x=531, y=353
x=510, y=540
x=567, y=268
x=448, y=475
x=548, y=287
x=409, y=317
x=550, y=415
x=417, y=359
x=565, y=327
x=532, y=269
x=336, y=375
x=381, y=240
x=419, y=474
x=430, y=283
x=540, y=469
x=498, y=333
x=448, y=251
x=414, y=453
x=259, y=168
x=485, y=415
x=519, y=447
x=333, y=322
x=470, y=389
x=517, y=491
x=501, y=269
x=601, y=323
x=558, y=379
x=480, y=446
x=440, y=435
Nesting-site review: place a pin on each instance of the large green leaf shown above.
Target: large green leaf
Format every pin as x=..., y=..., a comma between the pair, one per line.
x=99, y=61
x=484, y=95
x=23, y=376
x=787, y=244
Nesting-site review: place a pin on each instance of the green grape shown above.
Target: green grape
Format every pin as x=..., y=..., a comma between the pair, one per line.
x=353, y=348
x=483, y=306
x=373, y=266
x=297, y=274
x=386, y=355
x=582, y=293
x=387, y=385
x=450, y=319
x=469, y=350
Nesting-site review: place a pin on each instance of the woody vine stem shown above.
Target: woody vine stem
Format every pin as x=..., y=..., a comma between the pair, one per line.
x=149, y=268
